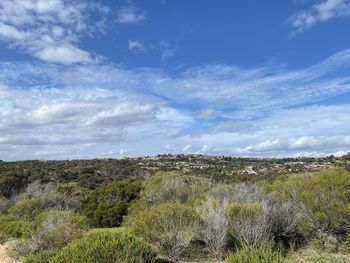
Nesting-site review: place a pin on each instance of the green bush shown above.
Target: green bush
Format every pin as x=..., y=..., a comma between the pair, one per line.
x=13, y=227
x=11, y=183
x=107, y=205
x=248, y=225
x=325, y=195
x=106, y=246
x=170, y=227
x=26, y=209
x=261, y=255
x=244, y=210
x=173, y=188
x=41, y=257
x=51, y=230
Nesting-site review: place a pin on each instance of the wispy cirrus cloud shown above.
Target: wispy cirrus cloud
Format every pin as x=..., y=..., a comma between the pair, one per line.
x=320, y=12
x=50, y=30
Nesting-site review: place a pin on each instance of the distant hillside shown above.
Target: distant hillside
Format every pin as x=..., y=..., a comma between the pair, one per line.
x=89, y=174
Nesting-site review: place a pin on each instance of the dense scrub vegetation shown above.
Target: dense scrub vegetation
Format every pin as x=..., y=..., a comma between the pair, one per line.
x=106, y=246
x=173, y=215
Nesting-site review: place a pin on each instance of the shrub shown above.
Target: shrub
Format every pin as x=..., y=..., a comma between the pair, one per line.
x=324, y=196
x=41, y=257
x=261, y=255
x=12, y=227
x=173, y=188
x=39, y=197
x=248, y=224
x=26, y=209
x=285, y=222
x=344, y=247
x=213, y=226
x=11, y=183
x=107, y=205
x=106, y=246
x=52, y=230
x=170, y=227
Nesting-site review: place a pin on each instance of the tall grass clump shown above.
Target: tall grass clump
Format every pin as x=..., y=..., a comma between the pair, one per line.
x=106, y=246
x=259, y=255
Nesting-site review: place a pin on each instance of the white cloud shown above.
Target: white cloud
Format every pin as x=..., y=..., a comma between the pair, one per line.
x=64, y=54
x=320, y=144
x=130, y=15
x=50, y=29
x=320, y=12
x=83, y=111
x=136, y=47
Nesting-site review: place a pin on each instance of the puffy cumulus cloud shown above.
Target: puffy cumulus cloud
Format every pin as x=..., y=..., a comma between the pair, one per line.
x=322, y=11
x=94, y=110
x=50, y=29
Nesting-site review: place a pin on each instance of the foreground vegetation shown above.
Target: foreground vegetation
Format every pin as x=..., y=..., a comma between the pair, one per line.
x=174, y=215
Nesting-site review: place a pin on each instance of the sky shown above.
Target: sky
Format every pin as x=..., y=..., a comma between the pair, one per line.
x=111, y=78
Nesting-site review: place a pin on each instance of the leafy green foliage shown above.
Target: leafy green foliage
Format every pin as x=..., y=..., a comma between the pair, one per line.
x=41, y=257
x=244, y=209
x=107, y=205
x=26, y=209
x=261, y=255
x=106, y=246
x=89, y=174
x=326, y=195
x=172, y=187
x=11, y=226
x=11, y=183
x=170, y=227
x=51, y=230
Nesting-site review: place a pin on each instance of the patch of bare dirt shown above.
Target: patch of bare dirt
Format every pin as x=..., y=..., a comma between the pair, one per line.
x=4, y=258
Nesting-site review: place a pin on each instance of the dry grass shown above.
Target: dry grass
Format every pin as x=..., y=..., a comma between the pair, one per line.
x=309, y=255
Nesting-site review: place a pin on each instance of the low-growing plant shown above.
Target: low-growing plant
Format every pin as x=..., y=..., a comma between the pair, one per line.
x=260, y=255
x=41, y=257
x=344, y=247
x=52, y=230
x=170, y=227
x=248, y=224
x=324, y=196
x=107, y=246
x=27, y=209
x=12, y=227
x=173, y=188
x=325, y=242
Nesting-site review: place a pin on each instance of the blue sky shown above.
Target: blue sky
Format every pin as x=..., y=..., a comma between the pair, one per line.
x=86, y=79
